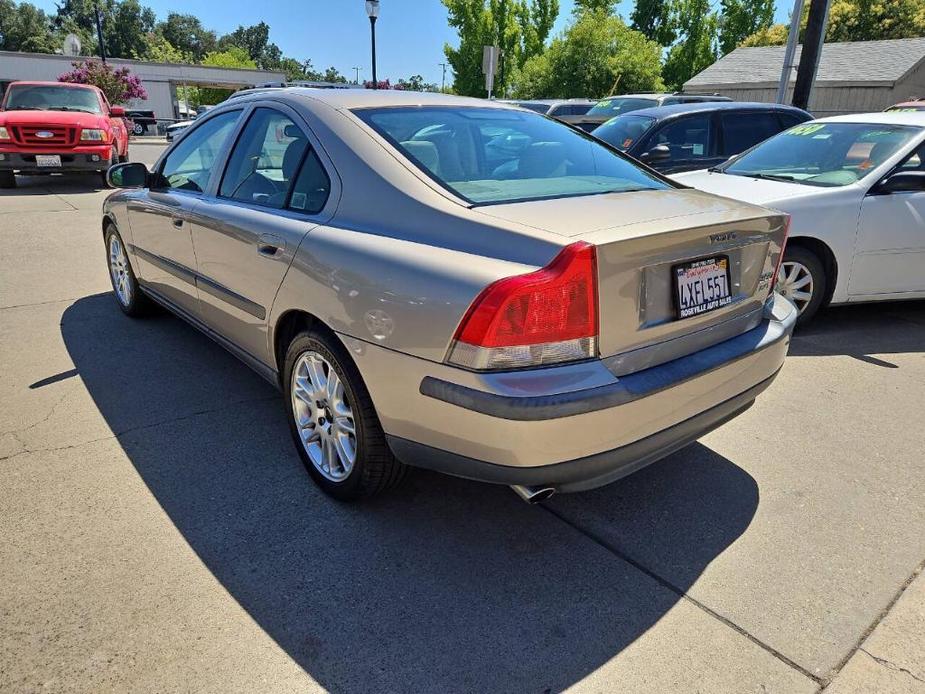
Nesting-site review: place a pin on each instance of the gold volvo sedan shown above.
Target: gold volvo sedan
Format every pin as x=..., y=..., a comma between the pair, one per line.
x=454, y=284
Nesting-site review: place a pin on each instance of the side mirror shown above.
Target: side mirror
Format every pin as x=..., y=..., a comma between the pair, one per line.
x=902, y=182
x=131, y=175
x=117, y=112
x=657, y=154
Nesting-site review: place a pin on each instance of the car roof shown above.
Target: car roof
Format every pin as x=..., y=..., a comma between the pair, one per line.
x=661, y=112
x=375, y=98
x=880, y=118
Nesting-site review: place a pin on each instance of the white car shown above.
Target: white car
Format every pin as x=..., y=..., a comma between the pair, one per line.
x=855, y=187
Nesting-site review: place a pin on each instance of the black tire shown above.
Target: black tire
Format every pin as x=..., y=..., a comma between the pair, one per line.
x=139, y=304
x=138, y=129
x=816, y=269
x=7, y=179
x=375, y=469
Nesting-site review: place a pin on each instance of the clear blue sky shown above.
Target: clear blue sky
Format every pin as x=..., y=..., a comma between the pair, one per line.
x=409, y=33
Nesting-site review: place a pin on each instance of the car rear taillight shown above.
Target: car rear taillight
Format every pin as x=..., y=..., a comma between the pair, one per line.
x=542, y=317
x=780, y=259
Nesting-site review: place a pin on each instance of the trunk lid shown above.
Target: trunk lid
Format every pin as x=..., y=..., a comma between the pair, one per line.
x=642, y=240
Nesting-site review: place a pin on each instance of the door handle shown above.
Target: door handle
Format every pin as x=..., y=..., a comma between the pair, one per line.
x=178, y=223
x=270, y=246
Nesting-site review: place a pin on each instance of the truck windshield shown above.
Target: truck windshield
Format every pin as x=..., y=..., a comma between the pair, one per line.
x=493, y=155
x=49, y=97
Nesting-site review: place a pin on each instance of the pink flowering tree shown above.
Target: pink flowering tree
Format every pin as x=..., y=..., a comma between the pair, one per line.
x=383, y=84
x=118, y=84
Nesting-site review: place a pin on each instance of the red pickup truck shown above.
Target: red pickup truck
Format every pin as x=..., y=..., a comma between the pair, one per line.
x=49, y=127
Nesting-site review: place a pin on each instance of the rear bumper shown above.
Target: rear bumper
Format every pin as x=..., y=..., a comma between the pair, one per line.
x=77, y=159
x=576, y=426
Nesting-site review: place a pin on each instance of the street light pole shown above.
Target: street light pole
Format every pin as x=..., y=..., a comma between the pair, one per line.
x=357, y=70
x=99, y=31
x=443, y=82
x=372, y=9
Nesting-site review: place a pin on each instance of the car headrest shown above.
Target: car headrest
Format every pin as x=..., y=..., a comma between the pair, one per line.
x=542, y=160
x=292, y=130
x=425, y=152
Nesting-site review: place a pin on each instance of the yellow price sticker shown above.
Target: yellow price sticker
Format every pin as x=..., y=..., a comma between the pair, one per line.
x=806, y=129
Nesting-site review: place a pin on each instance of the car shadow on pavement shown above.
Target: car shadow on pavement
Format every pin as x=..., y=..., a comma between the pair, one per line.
x=441, y=585
x=56, y=183
x=863, y=330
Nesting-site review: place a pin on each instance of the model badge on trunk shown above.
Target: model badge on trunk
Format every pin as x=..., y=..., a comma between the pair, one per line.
x=720, y=238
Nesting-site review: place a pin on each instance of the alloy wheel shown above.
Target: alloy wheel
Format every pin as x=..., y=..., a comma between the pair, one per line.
x=323, y=416
x=119, y=270
x=796, y=283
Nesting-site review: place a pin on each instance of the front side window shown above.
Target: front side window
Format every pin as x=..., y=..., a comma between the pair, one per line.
x=265, y=160
x=686, y=138
x=47, y=97
x=624, y=131
x=742, y=130
x=189, y=165
x=490, y=155
x=618, y=105
x=823, y=154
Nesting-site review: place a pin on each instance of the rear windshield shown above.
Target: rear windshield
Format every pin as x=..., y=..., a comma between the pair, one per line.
x=47, y=97
x=823, y=154
x=490, y=155
x=624, y=131
x=532, y=105
x=617, y=105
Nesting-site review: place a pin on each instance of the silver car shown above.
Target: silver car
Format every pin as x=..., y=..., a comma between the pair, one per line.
x=454, y=284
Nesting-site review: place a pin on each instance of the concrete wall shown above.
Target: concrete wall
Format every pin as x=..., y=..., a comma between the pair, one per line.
x=159, y=79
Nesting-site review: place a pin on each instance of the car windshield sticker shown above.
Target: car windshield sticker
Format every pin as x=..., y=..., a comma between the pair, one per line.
x=804, y=130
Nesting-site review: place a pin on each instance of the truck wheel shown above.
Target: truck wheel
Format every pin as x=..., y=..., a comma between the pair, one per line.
x=7, y=179
x=138, y=129
x=333, y=422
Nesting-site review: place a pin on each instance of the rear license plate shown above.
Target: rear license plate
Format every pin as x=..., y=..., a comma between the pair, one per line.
x=701, y=286
x=48, y=160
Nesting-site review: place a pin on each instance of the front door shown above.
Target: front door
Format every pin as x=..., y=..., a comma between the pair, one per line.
x=273, y=192
x=160, y=216
x=890, y=253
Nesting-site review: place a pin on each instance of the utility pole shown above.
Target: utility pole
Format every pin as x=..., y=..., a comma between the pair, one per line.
x=812, y=49
x=789, y=52
x=357, y=70
x=443, y=81
x=99, y=31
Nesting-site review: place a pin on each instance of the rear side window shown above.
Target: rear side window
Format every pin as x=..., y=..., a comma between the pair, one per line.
x=687, y=138
x=742, y=130
x=312, y=186
x=265, y=160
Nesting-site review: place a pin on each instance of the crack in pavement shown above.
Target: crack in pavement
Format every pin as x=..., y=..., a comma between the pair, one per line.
x=141, y=427
x=889, y=665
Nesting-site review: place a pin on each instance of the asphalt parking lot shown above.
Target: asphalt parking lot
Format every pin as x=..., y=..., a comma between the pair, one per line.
x=160, y=533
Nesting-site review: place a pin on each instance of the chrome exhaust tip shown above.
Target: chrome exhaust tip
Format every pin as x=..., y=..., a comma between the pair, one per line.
x=533, y=495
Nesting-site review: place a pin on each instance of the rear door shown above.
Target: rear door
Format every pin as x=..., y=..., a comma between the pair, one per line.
x=741, y=130
x=274, y=190
x=160, y=216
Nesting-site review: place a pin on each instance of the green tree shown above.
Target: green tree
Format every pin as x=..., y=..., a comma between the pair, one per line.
x=517, y=27
x=653, y=18
x=25, y=27
x=697, y=29
x=126, y=24
x=742, y=18
x=582, y=6
x=256, y=41
x=233, y=56
x=596, y=56
x=416, y=83
x=856, y=20
x=187, y=34
x=159, y=50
